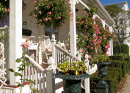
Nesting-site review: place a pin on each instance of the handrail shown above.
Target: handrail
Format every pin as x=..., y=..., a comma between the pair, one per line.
x=35, y=63
x=3, y=28
x=66, y=52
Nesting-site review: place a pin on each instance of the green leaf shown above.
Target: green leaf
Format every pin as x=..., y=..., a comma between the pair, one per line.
x=18, y=60
x=16, y=74
x=11, y=70
x=24, y=53
x=27, y=64
x=19, y=85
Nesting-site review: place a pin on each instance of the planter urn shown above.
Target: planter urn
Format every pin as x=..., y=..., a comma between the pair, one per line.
x=102, y=86
x=72, y=83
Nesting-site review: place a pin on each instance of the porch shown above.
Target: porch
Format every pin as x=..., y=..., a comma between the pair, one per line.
x=39, y=53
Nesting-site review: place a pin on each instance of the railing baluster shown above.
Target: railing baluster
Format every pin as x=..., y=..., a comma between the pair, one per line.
x=43, y=80
x=36, y=78
x=39, y=81
x=29, y=74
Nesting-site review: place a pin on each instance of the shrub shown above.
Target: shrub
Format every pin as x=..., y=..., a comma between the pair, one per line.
x=111, y=79
x=115, y=63
x=117, y=57
x=124, y=49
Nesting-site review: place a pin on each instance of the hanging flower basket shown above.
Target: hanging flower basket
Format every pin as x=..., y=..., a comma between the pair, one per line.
x=50, y=12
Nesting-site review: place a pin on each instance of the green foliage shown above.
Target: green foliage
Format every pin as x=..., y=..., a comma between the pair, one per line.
x=51, y=12
x=4, y=6
x=117, y=70
x=75, y=69
x=21, y=68
x=111, y=80
x=117, y=57
x=100, y=58
x=2, y=36
x=113, y=10
x=124, y=49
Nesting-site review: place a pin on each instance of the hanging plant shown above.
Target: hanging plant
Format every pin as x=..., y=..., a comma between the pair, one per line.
x=51, y=12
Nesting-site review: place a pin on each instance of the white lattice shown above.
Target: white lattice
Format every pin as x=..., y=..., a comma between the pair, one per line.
x=2, y=66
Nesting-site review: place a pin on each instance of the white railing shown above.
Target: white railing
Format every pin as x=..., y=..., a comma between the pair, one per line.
x=37, y=74
x=2, y=66
x=60, y=55
x=7, y=90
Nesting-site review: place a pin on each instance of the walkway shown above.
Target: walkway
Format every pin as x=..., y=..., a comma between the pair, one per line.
x=126, y=88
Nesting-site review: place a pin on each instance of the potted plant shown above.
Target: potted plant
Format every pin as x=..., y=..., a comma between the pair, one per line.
x=51, y=13
x=102, y=60
x=72, y=74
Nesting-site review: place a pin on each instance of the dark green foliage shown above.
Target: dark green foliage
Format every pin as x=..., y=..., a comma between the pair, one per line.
x=120, y=65
x=111, y=80
x=115, y=63
x=124, y=49
x=116, y=57
x=116, y=69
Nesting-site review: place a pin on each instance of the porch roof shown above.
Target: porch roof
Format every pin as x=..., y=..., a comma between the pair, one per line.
x=102, y=11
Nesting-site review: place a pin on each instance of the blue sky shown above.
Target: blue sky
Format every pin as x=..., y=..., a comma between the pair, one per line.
x=103, y=2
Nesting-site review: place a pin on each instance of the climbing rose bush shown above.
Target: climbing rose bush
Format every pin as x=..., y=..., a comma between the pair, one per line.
x=92, y=39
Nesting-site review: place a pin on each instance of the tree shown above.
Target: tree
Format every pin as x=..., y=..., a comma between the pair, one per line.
x=121, y=19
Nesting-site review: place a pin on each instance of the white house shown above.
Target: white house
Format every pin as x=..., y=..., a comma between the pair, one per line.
x=19, y=20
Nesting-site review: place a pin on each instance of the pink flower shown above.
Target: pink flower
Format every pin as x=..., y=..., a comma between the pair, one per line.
x=89, y=57
x=26, y=39
x=34, y=1
x=86, y=25
x=99, y=19
x=6, y=10
x=87, y=46
x=82, y=50
x=76, y=22
x=49, y=13
x=26, y=44
x=106, y=54
x=46, y=19
x=86, y=38
x=49, y=18
x=35, y=7
x=100, y=37
x=91, y=48
x=40, y=20
x=39, y=12
x=59, y=17
x=48, y=6
x=101, y=51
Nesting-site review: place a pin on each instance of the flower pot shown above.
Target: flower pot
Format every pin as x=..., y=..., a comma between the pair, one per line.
x=102, y=69
x=102, y=86
x=72, y=83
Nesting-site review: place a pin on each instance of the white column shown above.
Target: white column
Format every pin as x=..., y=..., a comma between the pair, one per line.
x=15, y=36
x=111, y=41
x=73, y=28
x=103, y=23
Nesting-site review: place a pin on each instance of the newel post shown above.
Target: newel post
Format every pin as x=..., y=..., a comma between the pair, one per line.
x=53, y=42
x=87, y=81
x=50, y=77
